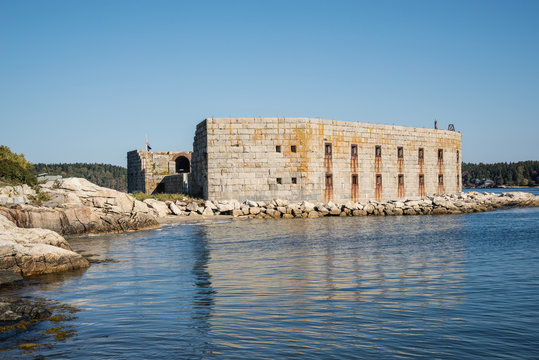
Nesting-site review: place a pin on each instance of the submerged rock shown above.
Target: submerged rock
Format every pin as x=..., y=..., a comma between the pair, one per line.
x=8, y=277
x=14, y=309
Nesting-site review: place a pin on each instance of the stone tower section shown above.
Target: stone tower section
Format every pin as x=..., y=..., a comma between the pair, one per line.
x=158, y=172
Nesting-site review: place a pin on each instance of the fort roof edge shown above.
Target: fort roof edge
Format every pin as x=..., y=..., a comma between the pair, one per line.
x=325, y=121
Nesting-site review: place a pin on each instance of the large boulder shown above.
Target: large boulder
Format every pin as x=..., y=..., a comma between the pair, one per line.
x=77, y=206
x=159, y=207
x=35, y=251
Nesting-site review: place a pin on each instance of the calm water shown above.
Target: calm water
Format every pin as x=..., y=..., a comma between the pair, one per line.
x=534, y=191
x=456, y=287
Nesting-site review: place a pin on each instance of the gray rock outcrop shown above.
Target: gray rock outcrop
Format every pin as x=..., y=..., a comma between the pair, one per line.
x=77, y=206
x=35, y=251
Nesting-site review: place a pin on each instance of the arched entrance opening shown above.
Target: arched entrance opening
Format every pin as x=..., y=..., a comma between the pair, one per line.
x=183, y=165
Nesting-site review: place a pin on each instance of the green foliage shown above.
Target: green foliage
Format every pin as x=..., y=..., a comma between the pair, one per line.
x=106, y=175
x=523, y=173
x=39, y=197
x=162, y=197
x=14, y=169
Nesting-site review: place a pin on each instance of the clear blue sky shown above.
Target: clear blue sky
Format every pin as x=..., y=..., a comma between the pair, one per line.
x=84, y=81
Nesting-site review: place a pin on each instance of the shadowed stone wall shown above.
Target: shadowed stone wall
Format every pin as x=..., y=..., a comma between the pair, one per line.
x=154, y=172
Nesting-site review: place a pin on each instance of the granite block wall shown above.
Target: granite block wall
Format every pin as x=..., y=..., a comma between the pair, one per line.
x=154, y=172
x=322, y=160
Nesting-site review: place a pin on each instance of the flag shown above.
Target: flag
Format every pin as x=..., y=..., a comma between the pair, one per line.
x=148, y=147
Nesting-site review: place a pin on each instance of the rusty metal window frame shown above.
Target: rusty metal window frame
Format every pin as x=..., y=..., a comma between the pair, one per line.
x=421, y=179
x=328, y=148
x=440, y=179
x=401, y=179
x=355, y=179
x=400, y=152
x=353, y=150
x=329, y=180
x=378, y=151
x=378, y=179
x=420, y=153
x=440, y=154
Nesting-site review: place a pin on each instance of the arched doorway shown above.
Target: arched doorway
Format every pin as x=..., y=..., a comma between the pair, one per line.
x=183, y=165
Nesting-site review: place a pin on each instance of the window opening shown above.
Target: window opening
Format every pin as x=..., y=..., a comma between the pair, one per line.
x=328, y=149
x=354, y=150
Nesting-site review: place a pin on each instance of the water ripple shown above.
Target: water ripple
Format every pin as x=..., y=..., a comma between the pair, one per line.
x=454, y=287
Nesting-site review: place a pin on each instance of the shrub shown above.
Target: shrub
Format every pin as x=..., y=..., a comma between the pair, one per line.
x=14, y=169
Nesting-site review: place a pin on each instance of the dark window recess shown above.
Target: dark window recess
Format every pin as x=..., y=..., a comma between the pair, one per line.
x=294, y=180
x=354, y=150
x=400, y=152
x=354, y=179
x=279, y=180
x=440, y=154
x=182, y=165
x=329, y=180
x=378, y=179
x=421, y=179
x=440, y=179
x=378, y=151
x=328, y=149
x=401, y=179
x=293, y=148
x=278, y=148
x=458, y=156
x=420, y=154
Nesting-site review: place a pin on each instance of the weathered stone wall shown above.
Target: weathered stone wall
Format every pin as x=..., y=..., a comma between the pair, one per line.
x=151, y=172
x=288, y=158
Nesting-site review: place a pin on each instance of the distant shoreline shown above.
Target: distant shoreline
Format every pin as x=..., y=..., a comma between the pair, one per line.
x=503, y=187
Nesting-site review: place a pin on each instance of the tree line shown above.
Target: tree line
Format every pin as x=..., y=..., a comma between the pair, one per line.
x=106, y=175
x=14, y=169
x=522, y=173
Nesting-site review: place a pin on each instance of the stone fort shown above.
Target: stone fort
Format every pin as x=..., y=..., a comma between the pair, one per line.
x=303, y=159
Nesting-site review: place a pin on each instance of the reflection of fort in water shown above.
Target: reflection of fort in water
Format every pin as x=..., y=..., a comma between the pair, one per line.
x=409, y=258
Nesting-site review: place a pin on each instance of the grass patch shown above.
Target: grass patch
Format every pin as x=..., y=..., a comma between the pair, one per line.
x=39, y=197
x=162, y=197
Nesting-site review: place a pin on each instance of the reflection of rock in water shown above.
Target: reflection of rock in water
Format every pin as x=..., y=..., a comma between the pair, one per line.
x=29, y=324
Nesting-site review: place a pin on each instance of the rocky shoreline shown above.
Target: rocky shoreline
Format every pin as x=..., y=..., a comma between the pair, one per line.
x=431, y=205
